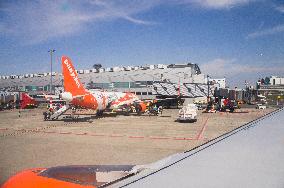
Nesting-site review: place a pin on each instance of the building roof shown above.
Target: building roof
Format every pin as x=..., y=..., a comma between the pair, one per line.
x=189, y=73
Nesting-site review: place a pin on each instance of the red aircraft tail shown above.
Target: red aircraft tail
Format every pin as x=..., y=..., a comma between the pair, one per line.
x=27, y=101
x=72, y=83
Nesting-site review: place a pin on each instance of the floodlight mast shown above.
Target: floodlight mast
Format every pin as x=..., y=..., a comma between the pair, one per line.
x=51, y=51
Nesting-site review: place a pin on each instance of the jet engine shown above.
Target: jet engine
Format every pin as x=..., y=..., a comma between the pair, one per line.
x=140, y=107
x=67, y=96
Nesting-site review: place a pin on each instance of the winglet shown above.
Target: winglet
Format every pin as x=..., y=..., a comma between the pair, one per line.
x=72, y=83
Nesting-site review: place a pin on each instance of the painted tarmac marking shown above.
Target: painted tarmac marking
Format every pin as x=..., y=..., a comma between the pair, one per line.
x=200, y=134
x=49, y=132
x=136, y=137
x=159, y=138
x=80, y=133
x=65, y=132
x=97, y=134
x=197, y=137
x=180, y=138
x=114, y=135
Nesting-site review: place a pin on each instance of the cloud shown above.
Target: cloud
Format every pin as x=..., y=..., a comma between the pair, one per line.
x=270, y=31
x=280, y=8
x=220, y=68
x=217, y=4
x=230, y=68
x=38, y=21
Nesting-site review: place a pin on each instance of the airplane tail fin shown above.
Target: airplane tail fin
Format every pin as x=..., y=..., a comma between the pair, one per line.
x=72, y=83
x=27, y=101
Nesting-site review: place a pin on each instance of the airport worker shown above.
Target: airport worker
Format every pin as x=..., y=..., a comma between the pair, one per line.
x=226, y=101
x=58, y=106
x=155, y=107
x=50, y=105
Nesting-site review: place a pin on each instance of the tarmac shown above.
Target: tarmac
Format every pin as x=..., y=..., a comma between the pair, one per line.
x=251, y=156
x=26, y=141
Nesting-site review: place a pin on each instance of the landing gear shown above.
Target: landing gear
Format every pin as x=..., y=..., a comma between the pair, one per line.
x=127, y=110
x=73, y=111
x=100, y=113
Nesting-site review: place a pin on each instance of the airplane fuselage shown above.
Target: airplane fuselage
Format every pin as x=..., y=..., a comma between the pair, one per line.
x=99, y=100
x=77, y=95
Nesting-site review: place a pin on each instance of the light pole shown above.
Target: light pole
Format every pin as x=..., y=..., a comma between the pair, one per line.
x=51, y=52
x=208, y=89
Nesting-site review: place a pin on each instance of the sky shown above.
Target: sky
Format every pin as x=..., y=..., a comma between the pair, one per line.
x=241, y=40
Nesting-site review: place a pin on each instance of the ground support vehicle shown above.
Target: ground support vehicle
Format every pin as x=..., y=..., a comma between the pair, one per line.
x=188, y=113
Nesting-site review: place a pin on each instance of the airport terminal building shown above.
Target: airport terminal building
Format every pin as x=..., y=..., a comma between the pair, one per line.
x=148, y=82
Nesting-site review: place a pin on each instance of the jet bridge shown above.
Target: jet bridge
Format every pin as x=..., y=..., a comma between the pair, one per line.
x=183, y=90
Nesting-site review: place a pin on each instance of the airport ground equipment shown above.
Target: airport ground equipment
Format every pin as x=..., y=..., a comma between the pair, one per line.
x=221, y=105
x=59, y=112
x=188, y=113
x=139, y=108
x=227, y=104
x=260, y=106
x=154, y=110
x=134, y=108
x=55, y=111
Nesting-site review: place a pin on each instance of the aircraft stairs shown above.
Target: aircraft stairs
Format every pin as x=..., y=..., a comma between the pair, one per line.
x=59, y=112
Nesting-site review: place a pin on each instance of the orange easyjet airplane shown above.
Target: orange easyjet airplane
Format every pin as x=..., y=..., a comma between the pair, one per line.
x=78, y=96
